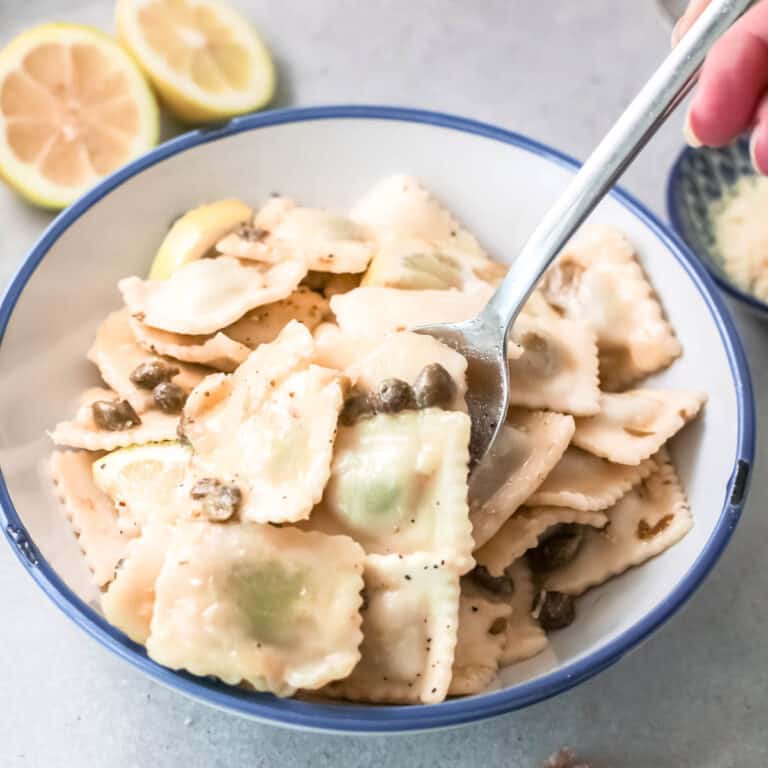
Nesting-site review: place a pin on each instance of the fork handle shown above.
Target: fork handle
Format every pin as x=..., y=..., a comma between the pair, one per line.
x=642, y=118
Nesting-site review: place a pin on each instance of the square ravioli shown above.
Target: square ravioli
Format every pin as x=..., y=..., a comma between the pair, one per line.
x=524, y=637
x=372, y=311
x=258, y=604
x=522, y=531
x=402, y=213
x=650, y=518
x=83, y=432
x=324, y=241
x=116, y=353
x=129, y=600
x=399, y=485
x=598, y=280
x=481, y=640
x=268, y=429
x=631, y=426
x=410, y=625
x=530, y=445
x=558, y=367
x=588, y=483
x=207, y=295
x=90, y=512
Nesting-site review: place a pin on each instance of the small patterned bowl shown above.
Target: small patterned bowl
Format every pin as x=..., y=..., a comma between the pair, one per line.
x=698, y=178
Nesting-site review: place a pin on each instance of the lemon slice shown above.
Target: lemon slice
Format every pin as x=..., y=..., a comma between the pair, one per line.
x=73, y=108
x=144, y=481
x=205, y=60
x=195, y=233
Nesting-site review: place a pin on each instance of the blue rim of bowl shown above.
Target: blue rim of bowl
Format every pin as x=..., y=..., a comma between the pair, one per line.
x=351, y=718
x=673, y=213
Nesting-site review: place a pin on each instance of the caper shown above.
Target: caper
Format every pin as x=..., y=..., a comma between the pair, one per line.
x=169, y=397
x=557, y=550
x=148, y=375
x=357, y=406
x=434, y=387
x=251, y=233
x=556, y=610
x=393, y=396
x=114, y=415
x=501, y=585
x=218, y=501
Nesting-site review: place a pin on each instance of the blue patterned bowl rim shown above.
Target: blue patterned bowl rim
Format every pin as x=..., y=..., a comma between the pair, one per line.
x=678, y=225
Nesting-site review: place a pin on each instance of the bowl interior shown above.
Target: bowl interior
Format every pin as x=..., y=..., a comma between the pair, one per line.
x=700, y=178
x=499, y=190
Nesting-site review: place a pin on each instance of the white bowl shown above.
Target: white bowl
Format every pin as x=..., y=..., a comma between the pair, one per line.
x=499, y=184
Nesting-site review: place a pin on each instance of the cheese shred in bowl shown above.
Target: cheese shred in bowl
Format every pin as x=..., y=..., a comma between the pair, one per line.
x=740, y=223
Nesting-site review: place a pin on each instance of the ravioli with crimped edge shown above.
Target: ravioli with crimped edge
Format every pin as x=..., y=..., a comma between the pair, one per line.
x=273, y=487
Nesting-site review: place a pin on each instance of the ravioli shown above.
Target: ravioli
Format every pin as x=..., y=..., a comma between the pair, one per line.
x=588, y=483
x=338, y=350
x=649, y=519
x=481, y=640
x=399, y=485
x=373, y=312
x=400, y=208
x=558, y=368
x=415, y=264
x=82, y=431
x=524, y=636
x=632, y=426
x=410, y=626
x=264, y=324
x=529, y=447
x=324, y=241
x=215, y=350
x=207, y=295
x=268, y=428
x=598, y=280
x=301, y=527
x=258, y=604
x=116, y=353
x=403, y=355
x=90, y=512
x=522, y=531
x=129, y=600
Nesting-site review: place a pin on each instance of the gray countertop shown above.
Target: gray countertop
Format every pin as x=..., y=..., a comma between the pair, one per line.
x=693, y=695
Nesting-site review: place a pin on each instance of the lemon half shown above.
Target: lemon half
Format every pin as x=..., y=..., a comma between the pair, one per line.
x=73, y=107
x=195, y=233
x=205, y=59
x=145, y=478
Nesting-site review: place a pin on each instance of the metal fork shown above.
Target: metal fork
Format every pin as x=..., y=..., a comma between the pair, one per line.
x=483, y=340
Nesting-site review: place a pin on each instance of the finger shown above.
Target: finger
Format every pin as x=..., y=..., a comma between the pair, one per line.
x=758, y=144
x=732, y=82
x=685, y=22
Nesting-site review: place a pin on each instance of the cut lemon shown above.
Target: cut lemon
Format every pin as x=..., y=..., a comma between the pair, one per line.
x=144, y=481
x=205, y=59
x=73, y=108
x=195, y=233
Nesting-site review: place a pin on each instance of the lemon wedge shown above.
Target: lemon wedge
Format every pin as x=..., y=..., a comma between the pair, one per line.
x=73, y=108
x=144, y=481
x=195, y=233
x=205, y=59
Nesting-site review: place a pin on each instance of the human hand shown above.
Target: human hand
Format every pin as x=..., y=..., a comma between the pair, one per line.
x=732, y=94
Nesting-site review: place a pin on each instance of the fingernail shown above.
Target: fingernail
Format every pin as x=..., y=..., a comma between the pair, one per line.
x=753, y=155
x=690, y=136
x=675, y=37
